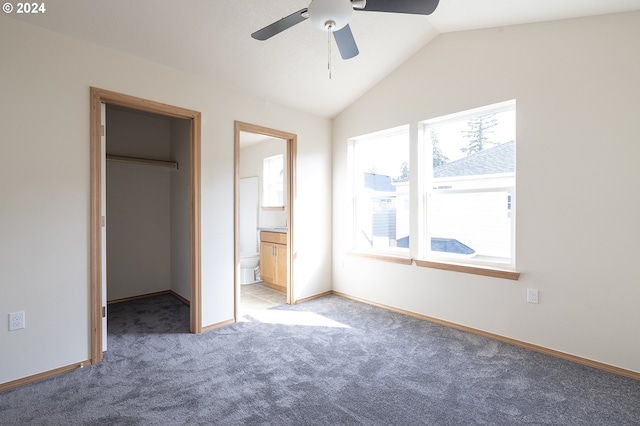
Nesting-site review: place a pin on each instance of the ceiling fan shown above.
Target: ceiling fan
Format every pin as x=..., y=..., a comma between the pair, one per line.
x=333, y=16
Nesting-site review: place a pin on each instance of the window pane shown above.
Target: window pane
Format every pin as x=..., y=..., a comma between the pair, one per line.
x=471, y=224
x=470, y=185
x=381, y=192
x=273, y=181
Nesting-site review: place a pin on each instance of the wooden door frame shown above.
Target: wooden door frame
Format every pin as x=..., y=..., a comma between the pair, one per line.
x=291, y=141
x=99, y=96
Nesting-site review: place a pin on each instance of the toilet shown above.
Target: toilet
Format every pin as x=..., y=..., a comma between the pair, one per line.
x=249, y=269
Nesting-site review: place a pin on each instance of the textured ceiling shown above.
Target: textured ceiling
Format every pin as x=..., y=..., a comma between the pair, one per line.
x=212, y=39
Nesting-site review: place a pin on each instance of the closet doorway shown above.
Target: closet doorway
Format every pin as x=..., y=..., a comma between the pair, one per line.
x=179, y=193
x=260, y=149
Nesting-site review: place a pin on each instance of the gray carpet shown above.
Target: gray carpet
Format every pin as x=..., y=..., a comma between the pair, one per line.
x=358, y=365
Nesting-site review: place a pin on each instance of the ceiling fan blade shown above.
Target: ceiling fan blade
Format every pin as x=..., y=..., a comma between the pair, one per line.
x=281, y=25
x=415, y=7
x=346, y=43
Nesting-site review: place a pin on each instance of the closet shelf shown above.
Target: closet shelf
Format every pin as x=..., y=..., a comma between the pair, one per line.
x=142, y=161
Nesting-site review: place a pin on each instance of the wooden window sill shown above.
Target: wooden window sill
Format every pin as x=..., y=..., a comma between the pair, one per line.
x=455, y=267
x=477, y=270
x=383, y=257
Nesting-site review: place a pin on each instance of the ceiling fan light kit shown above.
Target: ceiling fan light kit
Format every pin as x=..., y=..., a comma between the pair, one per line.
x=330, y=15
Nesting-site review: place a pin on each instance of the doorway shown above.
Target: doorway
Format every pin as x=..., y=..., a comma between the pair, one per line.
x=276, y=215
x=97, y=216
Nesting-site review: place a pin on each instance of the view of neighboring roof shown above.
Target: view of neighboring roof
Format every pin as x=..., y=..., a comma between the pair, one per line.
x=378, y=182
x=498, y=159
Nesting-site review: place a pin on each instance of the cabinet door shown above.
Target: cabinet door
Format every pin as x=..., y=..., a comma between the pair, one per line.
x=267, y=263
x=281, y=265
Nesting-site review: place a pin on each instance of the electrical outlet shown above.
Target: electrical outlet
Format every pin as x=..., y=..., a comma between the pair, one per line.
x=16, y=321
x=532, y=295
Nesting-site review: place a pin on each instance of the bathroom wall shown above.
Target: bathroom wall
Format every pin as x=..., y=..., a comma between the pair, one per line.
x=249, y=193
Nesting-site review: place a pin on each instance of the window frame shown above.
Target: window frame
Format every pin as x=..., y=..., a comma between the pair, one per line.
x=421, y=167
x=435, y=256
x=393, y=254
x=427, y=257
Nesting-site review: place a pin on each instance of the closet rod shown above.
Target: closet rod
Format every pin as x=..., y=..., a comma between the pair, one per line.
x=143, y=161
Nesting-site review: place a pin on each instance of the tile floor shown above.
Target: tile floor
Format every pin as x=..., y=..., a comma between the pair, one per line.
x=258, y=297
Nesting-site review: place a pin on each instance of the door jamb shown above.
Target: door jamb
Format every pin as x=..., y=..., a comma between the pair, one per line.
x=97, y=97
x=292, y=141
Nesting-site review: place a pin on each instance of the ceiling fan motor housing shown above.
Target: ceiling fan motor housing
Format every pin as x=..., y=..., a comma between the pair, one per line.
x=330, y=14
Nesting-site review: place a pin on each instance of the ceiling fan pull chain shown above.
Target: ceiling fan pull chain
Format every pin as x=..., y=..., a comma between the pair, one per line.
x=329, y=51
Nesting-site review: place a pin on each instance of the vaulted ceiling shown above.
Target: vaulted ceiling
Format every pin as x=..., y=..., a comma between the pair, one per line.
x=212, y=39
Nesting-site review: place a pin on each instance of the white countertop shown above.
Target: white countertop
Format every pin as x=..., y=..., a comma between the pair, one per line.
x=281, y=229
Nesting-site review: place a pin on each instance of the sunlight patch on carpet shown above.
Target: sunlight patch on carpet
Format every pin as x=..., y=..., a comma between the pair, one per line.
x=308, y=319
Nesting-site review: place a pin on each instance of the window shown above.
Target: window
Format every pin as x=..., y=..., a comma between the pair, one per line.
x=380, y=178
x=273, y=181
x=465, y=170
x=469, y=182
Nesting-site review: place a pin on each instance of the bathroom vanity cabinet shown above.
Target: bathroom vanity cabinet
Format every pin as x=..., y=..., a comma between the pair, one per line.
x=273, y=260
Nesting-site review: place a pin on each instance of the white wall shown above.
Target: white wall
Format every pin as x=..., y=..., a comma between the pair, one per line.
x=578, y=203
x=44, y=185
x=248, y=215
